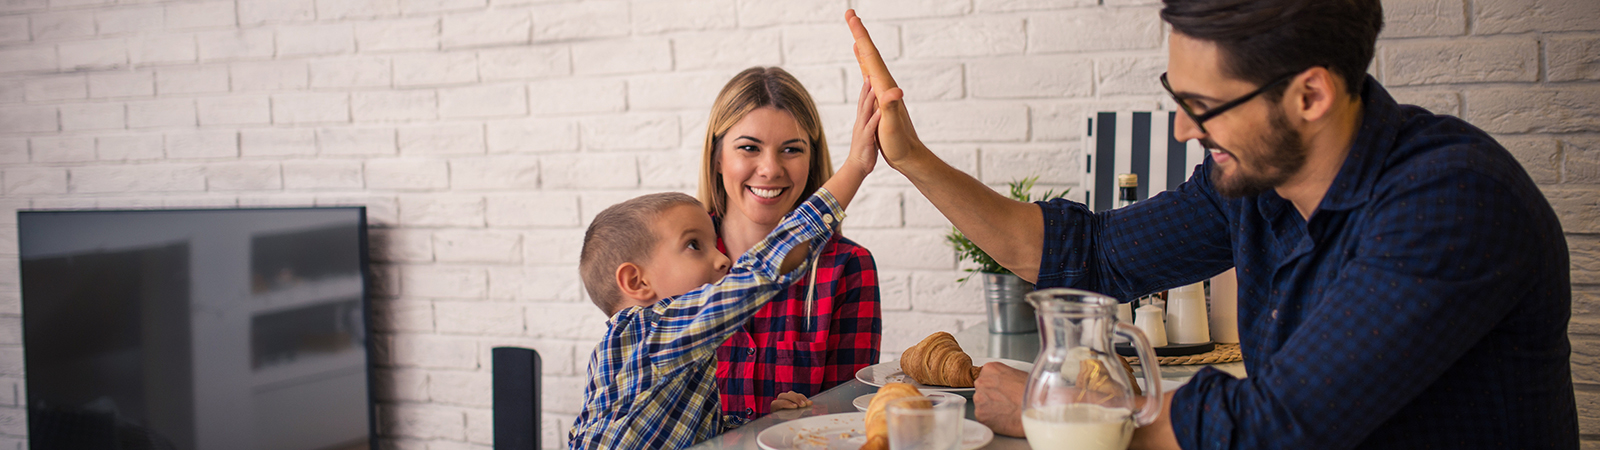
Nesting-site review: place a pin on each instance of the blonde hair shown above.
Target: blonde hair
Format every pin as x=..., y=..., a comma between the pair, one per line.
x=752, y=89
x=622, y=233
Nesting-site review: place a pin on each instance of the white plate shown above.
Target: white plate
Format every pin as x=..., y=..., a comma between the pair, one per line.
x=889, y=372
x=847, y=432
x=1166, y=385
x=861, y=403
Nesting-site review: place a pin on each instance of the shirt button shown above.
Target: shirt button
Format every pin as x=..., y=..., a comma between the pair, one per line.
x=748, y=411
x=753, y=351
x=827, y=219
x=1274, y=314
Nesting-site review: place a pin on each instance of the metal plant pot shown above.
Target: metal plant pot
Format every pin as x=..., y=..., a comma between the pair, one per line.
x=1008, y=312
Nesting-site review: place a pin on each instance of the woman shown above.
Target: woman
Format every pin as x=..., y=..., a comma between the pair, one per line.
x=764, y=153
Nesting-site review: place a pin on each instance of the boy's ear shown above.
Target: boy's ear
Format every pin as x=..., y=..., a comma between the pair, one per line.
x=631, y=281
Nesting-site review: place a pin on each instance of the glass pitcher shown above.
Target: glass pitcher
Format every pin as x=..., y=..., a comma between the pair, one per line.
x=1078, y=395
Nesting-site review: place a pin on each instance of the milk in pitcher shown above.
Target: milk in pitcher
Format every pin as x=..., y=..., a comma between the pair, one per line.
x=1078, y=426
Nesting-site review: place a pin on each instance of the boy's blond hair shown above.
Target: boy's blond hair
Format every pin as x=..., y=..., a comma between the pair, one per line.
x=622, y=233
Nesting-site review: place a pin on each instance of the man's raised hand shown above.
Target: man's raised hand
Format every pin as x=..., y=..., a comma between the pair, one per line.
x=896, y=136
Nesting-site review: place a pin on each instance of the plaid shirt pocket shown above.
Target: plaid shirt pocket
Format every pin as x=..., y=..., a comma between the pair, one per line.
x=803, y=363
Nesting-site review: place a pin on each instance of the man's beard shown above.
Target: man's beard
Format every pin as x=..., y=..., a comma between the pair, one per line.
x=1282, y=155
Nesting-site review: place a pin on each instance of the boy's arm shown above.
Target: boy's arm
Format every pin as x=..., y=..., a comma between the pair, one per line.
x=862, y=159
x=863, y=148
x=690, y=327
x=695, y=324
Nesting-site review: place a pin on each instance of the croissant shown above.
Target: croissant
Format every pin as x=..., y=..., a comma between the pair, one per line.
x=1094, y=381
x=1128, y=368
x=877, y=415
x=939, y=361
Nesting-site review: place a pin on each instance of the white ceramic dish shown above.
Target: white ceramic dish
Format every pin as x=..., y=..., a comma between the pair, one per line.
x=889, y=372
x=861, y=403
x=847, y=431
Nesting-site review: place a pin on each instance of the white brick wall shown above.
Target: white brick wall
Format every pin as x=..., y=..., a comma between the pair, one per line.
x=122, y=84
x=483, y=135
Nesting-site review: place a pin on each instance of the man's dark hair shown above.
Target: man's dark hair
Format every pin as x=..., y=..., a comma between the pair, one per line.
x=1261, y=40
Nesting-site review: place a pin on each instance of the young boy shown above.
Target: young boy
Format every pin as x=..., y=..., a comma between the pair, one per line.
x=646, y=262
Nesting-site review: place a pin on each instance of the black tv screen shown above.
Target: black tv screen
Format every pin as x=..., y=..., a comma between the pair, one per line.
x=196, y=329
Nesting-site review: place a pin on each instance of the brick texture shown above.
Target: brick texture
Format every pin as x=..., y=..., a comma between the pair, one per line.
x=1462, y=61
x=731, y=50
x=964, y=37
x=1574, y=58
x=1416, y=18
x=1036, y=76
x=1095, y=29
x=1518, y=16
x=484, y=135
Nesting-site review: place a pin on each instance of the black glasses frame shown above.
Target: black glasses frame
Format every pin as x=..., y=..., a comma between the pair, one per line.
x=1200, y=119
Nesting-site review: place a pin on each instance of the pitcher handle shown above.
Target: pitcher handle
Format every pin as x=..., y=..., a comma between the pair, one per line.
x=1152, y=374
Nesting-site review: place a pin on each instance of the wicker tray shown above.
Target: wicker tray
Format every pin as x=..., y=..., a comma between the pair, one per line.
x=1224, y=353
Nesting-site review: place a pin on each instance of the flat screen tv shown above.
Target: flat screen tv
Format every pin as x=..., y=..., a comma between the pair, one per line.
x=196, y=329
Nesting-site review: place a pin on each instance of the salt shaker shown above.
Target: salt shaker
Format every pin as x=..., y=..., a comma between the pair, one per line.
x=1149, y=320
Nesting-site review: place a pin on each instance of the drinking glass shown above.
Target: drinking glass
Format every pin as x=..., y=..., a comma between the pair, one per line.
x=926, y=423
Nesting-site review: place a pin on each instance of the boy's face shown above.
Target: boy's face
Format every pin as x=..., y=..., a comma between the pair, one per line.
x=685, y=256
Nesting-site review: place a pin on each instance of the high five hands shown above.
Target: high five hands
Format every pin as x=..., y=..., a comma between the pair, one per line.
x=896, y=136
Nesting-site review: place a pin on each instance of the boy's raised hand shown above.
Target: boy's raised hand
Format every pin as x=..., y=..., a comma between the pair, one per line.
x=847, y=180
x=896, y=137
x=864, y=141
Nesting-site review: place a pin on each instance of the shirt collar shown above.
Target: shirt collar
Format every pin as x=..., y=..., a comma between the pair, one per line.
x=1380, y=126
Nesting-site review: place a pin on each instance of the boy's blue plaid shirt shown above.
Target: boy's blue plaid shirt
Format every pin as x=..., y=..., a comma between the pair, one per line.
x=652, y=381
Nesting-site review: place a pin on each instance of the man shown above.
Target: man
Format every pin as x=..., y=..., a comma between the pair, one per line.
x=1402, y=281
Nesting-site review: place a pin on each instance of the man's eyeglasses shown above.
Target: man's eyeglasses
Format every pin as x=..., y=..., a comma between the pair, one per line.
x=1199, y=119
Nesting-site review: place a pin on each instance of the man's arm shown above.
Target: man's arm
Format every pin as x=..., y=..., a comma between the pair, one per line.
x=1157, y=435
x=1008, y=230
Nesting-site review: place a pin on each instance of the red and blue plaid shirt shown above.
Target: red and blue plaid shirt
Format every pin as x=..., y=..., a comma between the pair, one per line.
x=785, y=349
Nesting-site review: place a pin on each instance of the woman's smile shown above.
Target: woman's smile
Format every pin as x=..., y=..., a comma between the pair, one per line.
x=766, y=193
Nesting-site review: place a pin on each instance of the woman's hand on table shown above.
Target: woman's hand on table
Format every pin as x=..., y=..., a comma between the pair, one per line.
x=997, y=402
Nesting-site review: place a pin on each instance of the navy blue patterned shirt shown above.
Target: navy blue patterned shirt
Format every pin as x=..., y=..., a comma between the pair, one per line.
x=1423, y=305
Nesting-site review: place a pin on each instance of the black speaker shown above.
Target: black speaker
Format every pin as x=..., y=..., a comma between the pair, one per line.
x=516, y=398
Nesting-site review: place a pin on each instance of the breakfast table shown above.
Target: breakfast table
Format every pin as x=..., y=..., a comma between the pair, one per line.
x=976, y=341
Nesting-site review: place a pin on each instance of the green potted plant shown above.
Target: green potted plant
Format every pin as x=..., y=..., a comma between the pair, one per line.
x=1003, y=291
